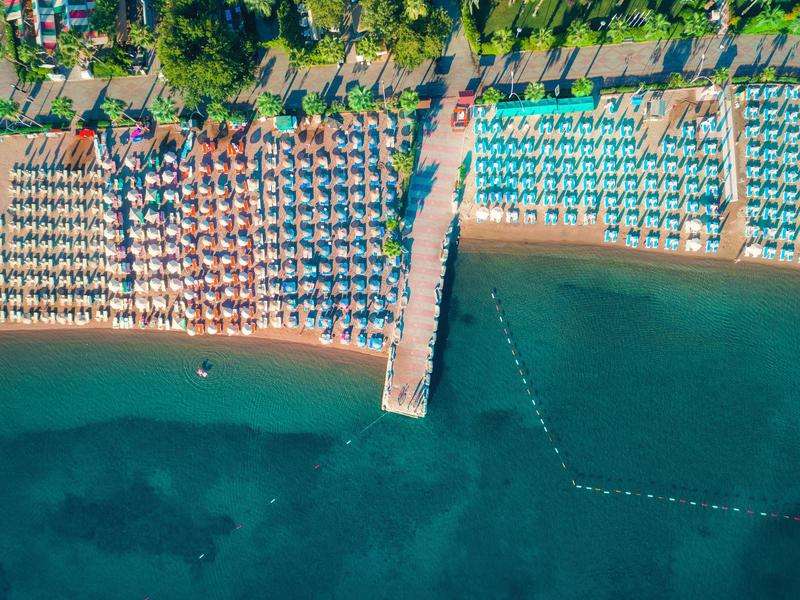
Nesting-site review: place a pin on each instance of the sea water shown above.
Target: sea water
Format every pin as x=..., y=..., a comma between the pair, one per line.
x=124, y=475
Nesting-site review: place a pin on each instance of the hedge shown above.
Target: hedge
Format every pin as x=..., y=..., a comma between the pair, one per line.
x=470, y=27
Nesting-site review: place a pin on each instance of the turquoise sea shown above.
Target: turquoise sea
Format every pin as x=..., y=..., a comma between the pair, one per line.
x=124, y=475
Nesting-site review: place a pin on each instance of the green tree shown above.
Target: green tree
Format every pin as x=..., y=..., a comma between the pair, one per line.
x=534, y=91
x=409, y=99
x=392, y=247
x=768, y=75
x=392, y=223
x=676, y=80
x=381, y=16
x=62, y=108
x=330, y=49
x=369, y=46
x=218, y=112
x=141, y=36
x=618, y=30
x=199, y=55
x=415, y=9
x=164, y=110
x=491, y=95
x=503, y=41
x=269, y=105
x=337, y=106
x=104, y=16
x=421, y=40
x=770, y=17
x=695, y=24
x=578, y=33
x=657, y=26
x=721, y=75
x=327, y=14
x=114, y=109
x=30, y=54
x=582, y=87
x=360, y=99
x=262, y=7
x=314, y=104
x=404, y=162
x=473, y=4
x=542, y=39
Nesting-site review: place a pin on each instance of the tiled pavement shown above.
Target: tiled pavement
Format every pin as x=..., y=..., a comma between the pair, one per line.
x=430, y=209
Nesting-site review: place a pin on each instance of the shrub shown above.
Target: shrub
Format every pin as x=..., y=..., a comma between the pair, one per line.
x=392, y=247
x=337, y=106
x=582, y=87
x=62, y=108
x=470, y=27
x=491, y=95
x=360, y=99
x=218, y=112
x=368, y=47
x=314, y=104
x=676, y=80
x=404, y=162
x=268, y=105
x=768, y=75
x=163, y=110
x=534, y=91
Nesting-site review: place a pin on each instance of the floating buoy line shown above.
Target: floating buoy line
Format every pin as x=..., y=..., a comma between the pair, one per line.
x=726, y=507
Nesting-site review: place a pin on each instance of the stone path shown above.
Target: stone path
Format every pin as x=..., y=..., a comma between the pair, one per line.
x=431, y=214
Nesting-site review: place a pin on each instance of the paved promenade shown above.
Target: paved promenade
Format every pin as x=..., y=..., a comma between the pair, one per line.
x=457, y=70
x=431, y=215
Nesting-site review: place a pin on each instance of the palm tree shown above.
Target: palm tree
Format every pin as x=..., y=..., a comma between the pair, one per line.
x=314, y=104
x=9, y=109
x=503, y=41
x=164, y=110
x=534, y=91
x=695, y=24
x=491, y=95
x=269, y=105
x=360, y=99
x=578, y=33
x=768, y=75
x=263, y=7
x=62, y=108
x=542, y=39
x=415, y=9
x=115, y=109
x=657, y=25
x=721, y=76
x=474, y=4
x=618, y=30
x=409, y=100
x=141, y=36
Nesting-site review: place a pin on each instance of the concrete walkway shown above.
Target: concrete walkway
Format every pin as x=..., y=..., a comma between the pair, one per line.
x=431, y=214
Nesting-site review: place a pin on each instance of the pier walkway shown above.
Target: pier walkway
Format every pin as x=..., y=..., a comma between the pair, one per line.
x=430, y=213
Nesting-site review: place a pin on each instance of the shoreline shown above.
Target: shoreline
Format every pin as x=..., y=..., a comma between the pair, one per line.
x=287, y=343
x=577, y=248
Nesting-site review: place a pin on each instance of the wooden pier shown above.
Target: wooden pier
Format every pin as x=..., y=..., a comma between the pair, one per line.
x=431, y=215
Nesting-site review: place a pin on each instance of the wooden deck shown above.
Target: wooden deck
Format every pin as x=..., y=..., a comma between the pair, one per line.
x=431, y=214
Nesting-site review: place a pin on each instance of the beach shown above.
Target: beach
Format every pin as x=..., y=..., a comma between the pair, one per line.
x=118, y=494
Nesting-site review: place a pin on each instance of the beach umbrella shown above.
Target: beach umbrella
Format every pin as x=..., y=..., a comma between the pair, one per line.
x=693, y=244
x=151, y=217
x=153, y=249
x=173, y=267
x=229, y=292
x=171, y=248
x=208, y=260
x=693, y=225
x=204, y=241
x=170, y=157
x=209, y=313
x=209, y=278
x=204, y=225
x=187, y=261
x=231, y=329
x=209, y=296
x=159, y=302
x=187, y=240
x=152, y=233
x=186, y=189
x=223, y=205
x=189, y=295
x=202, y=188
x=110, y=234
x=129, y=162
x=170, y=194
x=108, y=164
x=220, y=189
x=227, y=277
x=151, y=177
x=140, y=286
x=189, y=281
x=190, y=329
x=135, y=216
x=242, y=261
x=117, y=303
x=238, y=202
x=227, y=311
x=191, y=312
x=225, y=258
x=109, y=216
x=212, y=329
x=247, y=329
x=175, y=284
x=132, y=195
x=114, y=286
x=139, y=266
x=188, y=222
x=172, y=229
x=154, y=264
x=141, y=303
x=239, y=187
